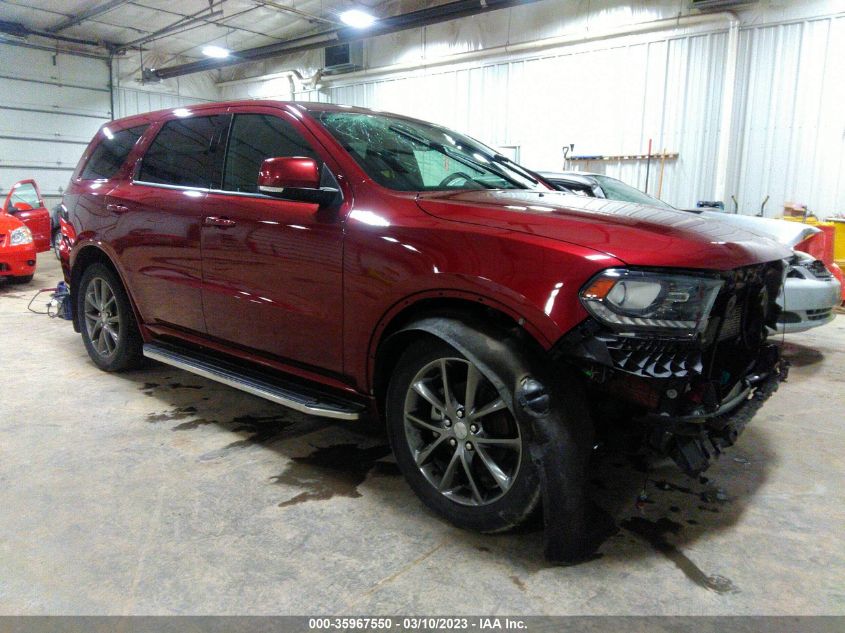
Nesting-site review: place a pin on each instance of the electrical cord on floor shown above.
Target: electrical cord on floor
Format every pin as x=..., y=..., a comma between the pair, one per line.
x=57, y=306
x=38, y=294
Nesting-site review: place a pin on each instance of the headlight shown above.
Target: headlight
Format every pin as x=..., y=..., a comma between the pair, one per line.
x=20, y=235
x=806, y=262
x=800, y=257
x=641, y=301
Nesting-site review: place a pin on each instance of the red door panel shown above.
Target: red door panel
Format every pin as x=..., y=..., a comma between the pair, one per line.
x=25, y=203
x=272, y=275
x=160, y=251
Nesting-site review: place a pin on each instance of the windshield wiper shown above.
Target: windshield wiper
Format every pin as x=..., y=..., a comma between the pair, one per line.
x=501, y=158
x=469, y=162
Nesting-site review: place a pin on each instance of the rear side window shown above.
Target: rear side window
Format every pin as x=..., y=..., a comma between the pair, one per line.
x=187, y=152
x=111, y=153
x=254, y=138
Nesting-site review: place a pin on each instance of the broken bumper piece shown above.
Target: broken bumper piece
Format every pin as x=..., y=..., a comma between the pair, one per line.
x=693, y=443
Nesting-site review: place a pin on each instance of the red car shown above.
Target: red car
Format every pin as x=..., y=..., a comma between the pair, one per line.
x=346, y=262
x=24, y=201
x=17, y=250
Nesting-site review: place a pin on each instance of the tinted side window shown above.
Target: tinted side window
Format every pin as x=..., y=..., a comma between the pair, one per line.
x=111, y=153
x=187, y=152
x=254, y=138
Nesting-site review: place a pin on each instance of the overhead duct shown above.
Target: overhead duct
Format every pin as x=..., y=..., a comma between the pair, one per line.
x=384, y=26
x=16, y=29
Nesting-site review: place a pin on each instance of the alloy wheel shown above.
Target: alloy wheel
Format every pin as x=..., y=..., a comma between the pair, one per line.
x=102, y=321
x=462, y=435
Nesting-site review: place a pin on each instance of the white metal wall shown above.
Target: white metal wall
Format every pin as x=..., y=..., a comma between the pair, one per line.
x=790, y=118
x=606, y=99
x=50, y=107
x=129, y=101
x=787, y=122
x=51, y=104
x=133, y=97
x=787, y=134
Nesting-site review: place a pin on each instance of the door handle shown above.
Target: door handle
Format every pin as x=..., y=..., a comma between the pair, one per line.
x=116, y=208
x=222, y=223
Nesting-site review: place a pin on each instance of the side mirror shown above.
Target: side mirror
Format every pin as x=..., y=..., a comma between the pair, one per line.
x=294, y=178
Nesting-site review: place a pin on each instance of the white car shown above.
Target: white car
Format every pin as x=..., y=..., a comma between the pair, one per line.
x=810, y=293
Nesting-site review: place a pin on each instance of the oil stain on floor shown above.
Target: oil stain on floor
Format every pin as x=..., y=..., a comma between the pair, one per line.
x=333, y=471
x=178, y=413
x=151, y=388
x=800, y=355
x=262, y=431
x=655, y=534
x=259, y=429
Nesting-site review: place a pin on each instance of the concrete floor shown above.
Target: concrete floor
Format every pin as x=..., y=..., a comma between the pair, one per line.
x=158, y=492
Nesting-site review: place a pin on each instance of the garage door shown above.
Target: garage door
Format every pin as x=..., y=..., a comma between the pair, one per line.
x=50, y=106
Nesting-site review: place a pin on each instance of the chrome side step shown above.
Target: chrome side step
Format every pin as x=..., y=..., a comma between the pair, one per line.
x=290, y=394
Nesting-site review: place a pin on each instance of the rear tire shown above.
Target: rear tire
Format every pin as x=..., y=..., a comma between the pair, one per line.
x=106, y=320
x=457, y=443
x=21, y=280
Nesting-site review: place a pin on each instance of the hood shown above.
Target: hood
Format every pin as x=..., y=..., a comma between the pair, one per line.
x=635, y=234
x=782, y=231
x=9, y=223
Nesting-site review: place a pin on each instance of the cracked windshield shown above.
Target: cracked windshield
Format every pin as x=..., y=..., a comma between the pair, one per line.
x=406, y=155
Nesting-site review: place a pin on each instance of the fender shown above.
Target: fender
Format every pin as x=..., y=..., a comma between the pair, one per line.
x=548, y=401
x=110, y=255
x=544, y=331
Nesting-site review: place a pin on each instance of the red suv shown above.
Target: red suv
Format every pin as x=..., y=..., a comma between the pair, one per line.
x=345, y=262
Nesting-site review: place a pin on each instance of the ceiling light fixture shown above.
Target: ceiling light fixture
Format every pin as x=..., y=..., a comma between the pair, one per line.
x=217, y=52
x=357, y=19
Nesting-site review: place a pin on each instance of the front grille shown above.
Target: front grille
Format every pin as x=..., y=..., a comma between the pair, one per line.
x=654, y=359
x=818, y=315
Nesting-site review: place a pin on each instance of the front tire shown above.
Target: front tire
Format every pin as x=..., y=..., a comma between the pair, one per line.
x=108, y=325
x=456, y=441
x=57, y=240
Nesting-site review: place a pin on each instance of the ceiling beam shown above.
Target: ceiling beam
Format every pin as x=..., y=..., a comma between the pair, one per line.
x=385, y=26
x=86, y=15
x=185, y=24
x=302, y=14
x=233, y=27
x=17, y=29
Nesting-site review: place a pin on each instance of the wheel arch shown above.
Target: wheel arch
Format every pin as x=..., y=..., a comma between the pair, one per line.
x=440, y=317
x=84, y=256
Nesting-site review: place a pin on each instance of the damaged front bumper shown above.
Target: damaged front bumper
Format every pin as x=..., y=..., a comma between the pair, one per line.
x=690, y=401
x=694, y=441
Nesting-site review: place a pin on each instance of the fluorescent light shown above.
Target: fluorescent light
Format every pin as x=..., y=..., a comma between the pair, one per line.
x=357, y=19
x=215, y=51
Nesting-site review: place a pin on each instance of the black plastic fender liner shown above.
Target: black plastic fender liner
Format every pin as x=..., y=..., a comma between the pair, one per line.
x=551, y=406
